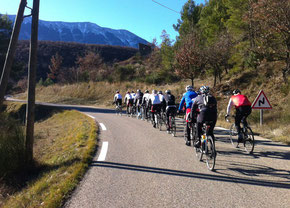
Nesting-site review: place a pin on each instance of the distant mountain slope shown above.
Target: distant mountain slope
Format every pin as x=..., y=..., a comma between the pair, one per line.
x=81, y=32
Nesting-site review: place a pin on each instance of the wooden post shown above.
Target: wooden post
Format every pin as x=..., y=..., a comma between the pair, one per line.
x=11, y=51
x=31, y=84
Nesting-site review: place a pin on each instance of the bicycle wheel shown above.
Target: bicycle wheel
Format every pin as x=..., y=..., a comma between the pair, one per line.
x=233, y=134
x=173, y=127
x=249, y=141
x=210, y=153
x=160, y=122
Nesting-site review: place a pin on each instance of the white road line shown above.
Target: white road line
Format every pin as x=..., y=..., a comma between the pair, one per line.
x=103, y=127
x=91, y=116
x=104, y=151
x=220, y=128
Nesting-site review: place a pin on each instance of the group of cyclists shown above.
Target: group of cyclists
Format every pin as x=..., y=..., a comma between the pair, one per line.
x=199, y=106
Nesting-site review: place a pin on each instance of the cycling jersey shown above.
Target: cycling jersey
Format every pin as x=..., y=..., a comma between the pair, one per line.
x=238, y=101
x=187, y=99
x=145, y=98
x=154, y=99
x=117, y=96
x=128, y=98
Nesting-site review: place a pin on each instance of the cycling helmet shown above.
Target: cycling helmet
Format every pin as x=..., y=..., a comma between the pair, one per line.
x=132, y=91
x=138, y=90
x=128, y=91
x=160, y=92
x=188, y=88
x=167, y=91
x=154, y=91
x=236, y=91
x=146, y=91
x=117, y=91
x=204, y=90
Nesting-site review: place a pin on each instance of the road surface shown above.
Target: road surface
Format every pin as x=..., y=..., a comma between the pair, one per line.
x=139, y=166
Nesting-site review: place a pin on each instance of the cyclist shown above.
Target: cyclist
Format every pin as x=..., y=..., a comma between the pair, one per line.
x=170, y=106
x=155, y=103
x=145, y=101
x=243, y=110
x=118, y=98
x=133, y=97
x=206, y=106
x=187, y=100
x=128, y=100
x=138, y=101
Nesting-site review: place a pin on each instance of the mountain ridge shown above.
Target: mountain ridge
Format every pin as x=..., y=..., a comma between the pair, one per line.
x=80, y=32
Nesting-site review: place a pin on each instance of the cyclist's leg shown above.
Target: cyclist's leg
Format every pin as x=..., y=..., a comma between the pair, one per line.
x=238, y=118
x=199, y=122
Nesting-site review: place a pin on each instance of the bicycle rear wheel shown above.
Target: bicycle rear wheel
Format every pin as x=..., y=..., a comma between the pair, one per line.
x=233, y=134
x=249, y=141
x=160, y=123
x=210, y=153
x=173, y=127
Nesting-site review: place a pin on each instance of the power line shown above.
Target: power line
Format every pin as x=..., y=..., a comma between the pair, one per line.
x=166, y=7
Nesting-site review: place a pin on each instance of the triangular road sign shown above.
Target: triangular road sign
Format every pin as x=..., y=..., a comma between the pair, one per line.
x=261, y=101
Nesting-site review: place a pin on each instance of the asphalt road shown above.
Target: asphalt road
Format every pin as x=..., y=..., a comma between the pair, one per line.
x=145, y=167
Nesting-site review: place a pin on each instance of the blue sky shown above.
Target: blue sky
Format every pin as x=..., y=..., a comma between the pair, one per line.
x=144, y=18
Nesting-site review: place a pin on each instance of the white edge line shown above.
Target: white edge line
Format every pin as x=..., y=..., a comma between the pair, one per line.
x=103, y=126
x=104, y=151
x=91, y=116
x=220, y=128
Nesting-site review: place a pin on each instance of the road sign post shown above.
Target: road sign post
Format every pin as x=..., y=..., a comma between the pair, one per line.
x=261, y=102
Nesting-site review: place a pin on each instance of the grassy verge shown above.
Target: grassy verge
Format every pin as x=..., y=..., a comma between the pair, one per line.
x=64, y=144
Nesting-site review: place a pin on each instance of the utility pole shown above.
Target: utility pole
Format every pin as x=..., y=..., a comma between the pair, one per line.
x=11, y=51
x=30, y=110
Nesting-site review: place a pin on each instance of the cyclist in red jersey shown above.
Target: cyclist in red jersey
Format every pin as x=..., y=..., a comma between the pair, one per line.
x=243, y=110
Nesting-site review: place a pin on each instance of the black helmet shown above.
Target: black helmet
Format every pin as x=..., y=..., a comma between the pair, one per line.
x=117, y=91
x=160, y=92
x=168, y=91
x=236, y=91
x=146, y=91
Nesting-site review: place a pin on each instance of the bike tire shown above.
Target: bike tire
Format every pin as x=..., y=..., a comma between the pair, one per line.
x=233, y=134
x=249, y=141
x=173, y=127
x=210, y=153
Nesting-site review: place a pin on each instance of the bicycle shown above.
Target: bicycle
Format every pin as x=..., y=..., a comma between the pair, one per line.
x=207, y=146
x=118, y=109
x=172, y=125
x=248, y=139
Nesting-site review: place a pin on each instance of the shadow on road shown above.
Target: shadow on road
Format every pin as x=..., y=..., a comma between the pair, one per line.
x=203, y=176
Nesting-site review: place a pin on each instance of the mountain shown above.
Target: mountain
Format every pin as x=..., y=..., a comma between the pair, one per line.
x=81, y=32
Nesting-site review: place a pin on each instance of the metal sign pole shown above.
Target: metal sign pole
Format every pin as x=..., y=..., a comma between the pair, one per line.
x=261, y=117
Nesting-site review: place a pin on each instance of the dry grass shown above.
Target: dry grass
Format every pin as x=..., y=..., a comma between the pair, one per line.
x=64, y=144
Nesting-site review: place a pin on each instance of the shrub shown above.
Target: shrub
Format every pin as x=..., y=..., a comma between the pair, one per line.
x=11, y=145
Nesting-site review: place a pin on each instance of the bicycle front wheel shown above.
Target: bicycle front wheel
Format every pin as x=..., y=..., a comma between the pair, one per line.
x=210, y=153
x=249, y=141
x=233, y=134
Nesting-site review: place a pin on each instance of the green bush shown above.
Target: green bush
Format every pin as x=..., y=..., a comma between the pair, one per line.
x=11, y=145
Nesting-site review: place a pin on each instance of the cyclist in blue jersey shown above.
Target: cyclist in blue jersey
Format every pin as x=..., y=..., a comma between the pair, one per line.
x=187, y=99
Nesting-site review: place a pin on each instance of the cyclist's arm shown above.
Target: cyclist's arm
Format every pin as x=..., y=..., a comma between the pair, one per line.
x=230, y=104
x=181, y=103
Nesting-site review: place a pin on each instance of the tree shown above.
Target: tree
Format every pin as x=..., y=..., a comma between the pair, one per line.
x=190, y=60
x=218, y=54
x=167, y=52
x=190, y=16
x=272, y=34
x=55, y=67
x=90, y=66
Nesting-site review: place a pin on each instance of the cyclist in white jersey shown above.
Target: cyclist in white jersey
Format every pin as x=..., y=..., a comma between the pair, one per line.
x=128, y=100
x=145, y=103
x=155, y=103
x=118, y=98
